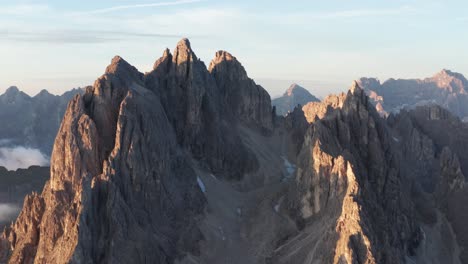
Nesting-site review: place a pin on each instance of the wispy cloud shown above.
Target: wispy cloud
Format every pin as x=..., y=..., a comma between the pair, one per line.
x=78, y=36
x=134, y=6
x=23, y=9
x=366, y=12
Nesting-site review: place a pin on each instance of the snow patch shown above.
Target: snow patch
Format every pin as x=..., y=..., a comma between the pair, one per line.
x=277, y=207
x=290, y=169
x=201, y=185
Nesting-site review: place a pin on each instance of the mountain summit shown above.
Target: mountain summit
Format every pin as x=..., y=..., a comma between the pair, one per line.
x=295, y=95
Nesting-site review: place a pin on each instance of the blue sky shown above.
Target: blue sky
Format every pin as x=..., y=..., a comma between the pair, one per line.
x=324, y=45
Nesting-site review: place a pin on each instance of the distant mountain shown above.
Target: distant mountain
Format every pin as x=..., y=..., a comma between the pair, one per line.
x=15, y=185
x=32, y=121
x=446, y=88
x=295, y=95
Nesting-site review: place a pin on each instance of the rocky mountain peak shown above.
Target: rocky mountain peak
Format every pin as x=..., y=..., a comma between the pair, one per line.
x=452, y=81
x=183, y=52
x=43, y=94
x=121, y=67
x=225, y=63
x=295, y=95
x=355, y=89
x=295, y=89
x=14, y=95
x=12, y=90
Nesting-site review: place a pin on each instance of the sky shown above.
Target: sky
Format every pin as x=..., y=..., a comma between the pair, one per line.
x=322, y=45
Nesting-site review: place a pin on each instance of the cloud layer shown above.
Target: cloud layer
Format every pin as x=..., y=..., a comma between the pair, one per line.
x=21, y=157
x=8, y=212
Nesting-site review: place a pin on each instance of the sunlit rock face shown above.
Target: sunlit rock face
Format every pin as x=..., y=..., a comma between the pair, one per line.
x=445, y=88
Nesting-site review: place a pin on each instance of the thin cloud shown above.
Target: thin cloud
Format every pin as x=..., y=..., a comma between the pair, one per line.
x=78, y=36
x=21, y=157
x=23, y=9
x=135, y=6
x=367, y=12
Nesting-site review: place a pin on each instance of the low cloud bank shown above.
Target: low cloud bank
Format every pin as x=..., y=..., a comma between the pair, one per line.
x=14, y=158
x=8, y=212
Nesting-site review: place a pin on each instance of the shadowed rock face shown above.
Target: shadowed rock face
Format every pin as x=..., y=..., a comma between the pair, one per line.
x=294, y=96
x=120, y=170
x=32, y=121
x=446, y=88
x=205, y=107
x=433, y=143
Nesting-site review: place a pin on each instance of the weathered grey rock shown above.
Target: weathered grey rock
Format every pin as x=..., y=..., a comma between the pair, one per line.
x=239, y=94
x=205, y=108
x=117, y=175
x=347, y=198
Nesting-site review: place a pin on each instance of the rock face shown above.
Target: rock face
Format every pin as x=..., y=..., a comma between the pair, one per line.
x=32, y=121
x=122, y=167
x=295, y=95
x=446, y=88
x=434, y=158
x=347, y=194
x=186, y=164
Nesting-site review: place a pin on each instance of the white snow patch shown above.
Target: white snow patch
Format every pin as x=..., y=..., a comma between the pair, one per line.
x=201, y=184
x=239, y=211
x=289, y=167
x=277, y=207
x=214, y=177
x=396, y=139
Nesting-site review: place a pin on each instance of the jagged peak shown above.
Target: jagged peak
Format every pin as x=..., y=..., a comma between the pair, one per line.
x=444, y=73
x=12, y=90
x=116, y=64
x=222, y=56
x=355, y=89
x=43, y=93
x=122, y=68
x=294, y=88
x=167, y=56
x=183, y=52
x=167, y=53
x=225, y=61
x=184, y=43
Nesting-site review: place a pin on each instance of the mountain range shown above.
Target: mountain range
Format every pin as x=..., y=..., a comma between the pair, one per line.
x=446, y=88
x=191, y=164
x=32, y=122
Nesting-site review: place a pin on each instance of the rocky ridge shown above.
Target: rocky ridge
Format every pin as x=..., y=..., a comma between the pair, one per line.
x=188, y=164
x=445, y=88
